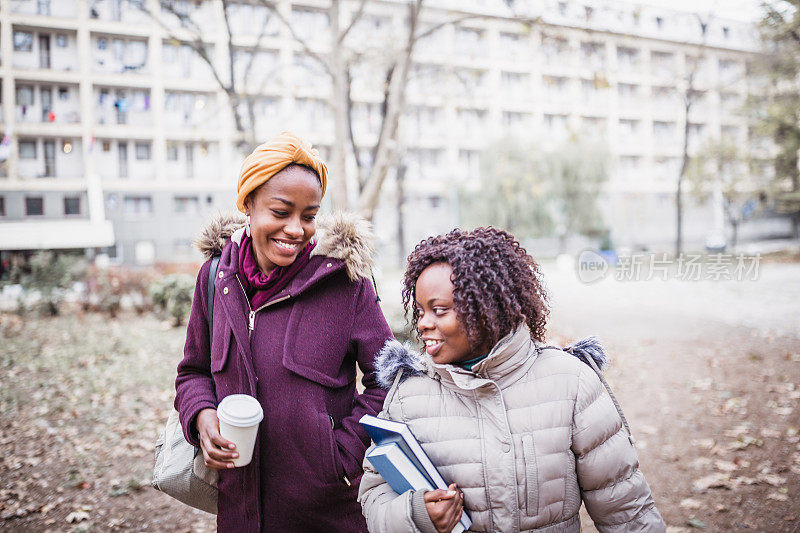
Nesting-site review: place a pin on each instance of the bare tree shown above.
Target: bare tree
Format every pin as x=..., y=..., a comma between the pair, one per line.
x=241, y=102
x=338, y=62
x=690, y=94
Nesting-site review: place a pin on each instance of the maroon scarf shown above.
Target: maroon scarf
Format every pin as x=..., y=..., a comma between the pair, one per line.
x=261, y=287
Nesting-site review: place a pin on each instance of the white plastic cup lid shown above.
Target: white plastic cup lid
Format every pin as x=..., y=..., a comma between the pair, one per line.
x=240, y=410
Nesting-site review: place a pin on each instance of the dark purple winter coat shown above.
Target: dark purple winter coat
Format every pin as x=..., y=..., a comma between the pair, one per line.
x=300, y=362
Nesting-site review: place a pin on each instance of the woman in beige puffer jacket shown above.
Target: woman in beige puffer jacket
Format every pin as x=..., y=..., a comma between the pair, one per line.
x=525, y=431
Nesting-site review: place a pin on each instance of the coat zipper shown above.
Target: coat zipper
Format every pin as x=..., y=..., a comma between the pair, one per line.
x=251, y=323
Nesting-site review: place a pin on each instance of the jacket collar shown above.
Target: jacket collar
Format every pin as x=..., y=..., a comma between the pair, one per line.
x=344, y=242
x=514, y=352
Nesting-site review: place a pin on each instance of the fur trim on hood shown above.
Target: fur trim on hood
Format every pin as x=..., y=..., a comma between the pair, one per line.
x=394, y=357
x=344, y=236
x=218, y=230
x=586, y=348
x=348, y=237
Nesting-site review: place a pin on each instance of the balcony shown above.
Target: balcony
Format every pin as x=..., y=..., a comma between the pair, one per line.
x=47, y=104
x=40, y=50
x=191, y=110
x=192, y=161
x=48, y=8
x=50, y=157
x=129, y=107
x=129, y=12
x=113, y=55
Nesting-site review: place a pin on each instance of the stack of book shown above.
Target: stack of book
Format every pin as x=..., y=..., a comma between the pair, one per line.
x=402, y=462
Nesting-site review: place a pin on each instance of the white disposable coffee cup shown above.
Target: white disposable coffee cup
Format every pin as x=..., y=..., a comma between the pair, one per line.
x=239, y=416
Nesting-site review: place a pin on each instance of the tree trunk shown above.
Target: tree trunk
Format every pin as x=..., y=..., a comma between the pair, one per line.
x=678, y=191
x=338, y=171
x=401, y=200
x=385, y=152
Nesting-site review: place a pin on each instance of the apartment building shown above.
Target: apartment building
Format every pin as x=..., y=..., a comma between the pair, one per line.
x=118, y=138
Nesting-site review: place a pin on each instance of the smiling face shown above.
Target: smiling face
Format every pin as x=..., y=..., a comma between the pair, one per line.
x=446, y=340
x=282, y=213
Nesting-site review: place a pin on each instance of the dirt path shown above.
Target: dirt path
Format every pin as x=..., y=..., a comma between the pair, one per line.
x=713, y=406
x=708, y=375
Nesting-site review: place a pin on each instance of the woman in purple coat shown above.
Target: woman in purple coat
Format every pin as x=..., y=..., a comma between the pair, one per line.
x=295, y=311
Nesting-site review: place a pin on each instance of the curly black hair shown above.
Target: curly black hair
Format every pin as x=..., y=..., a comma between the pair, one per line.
x=496, y=283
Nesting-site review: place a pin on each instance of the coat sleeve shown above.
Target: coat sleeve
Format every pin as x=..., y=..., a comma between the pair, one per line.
x=613, y=488
x=194, y=385
x=384, y=509
x=368, y=334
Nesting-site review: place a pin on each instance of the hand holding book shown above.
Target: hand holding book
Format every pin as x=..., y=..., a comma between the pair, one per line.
x=445, y=507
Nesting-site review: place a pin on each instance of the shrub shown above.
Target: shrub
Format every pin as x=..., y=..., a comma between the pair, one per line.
x=49, y=275
x=109, y=290
x=172, y=295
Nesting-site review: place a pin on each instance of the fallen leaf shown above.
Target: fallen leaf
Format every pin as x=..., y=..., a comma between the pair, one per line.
x=725, y=466
x=772, y=479
x=778, y=497
x=691, y=503
x=77, y=516
x=703, y=443
x=770, y=433
x=712, y=481
x=694, y=522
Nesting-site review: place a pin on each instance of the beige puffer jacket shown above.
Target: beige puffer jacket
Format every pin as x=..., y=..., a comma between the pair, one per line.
x=526, y=435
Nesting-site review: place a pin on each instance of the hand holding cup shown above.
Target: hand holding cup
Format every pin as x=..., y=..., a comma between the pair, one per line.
x=218, y=452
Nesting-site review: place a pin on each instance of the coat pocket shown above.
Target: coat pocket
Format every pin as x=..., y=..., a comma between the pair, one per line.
x=531, y=476
x=317, y=347
x=220, y=347
x=328, y=448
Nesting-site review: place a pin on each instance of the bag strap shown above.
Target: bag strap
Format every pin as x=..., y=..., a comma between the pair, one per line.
x=613, y=398
x=597, y=371
x=212, y=275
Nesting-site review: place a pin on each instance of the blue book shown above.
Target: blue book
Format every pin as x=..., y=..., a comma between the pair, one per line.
x=384, y=431
x=397, y=469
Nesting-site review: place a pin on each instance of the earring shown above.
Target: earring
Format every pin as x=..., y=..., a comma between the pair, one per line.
x=247, y=225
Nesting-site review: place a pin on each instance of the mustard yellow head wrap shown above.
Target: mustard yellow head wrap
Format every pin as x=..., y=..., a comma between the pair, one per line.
x=273, y=156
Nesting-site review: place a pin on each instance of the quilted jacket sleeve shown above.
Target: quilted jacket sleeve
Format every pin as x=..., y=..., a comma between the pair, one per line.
x=384, y=509
x=613, y=488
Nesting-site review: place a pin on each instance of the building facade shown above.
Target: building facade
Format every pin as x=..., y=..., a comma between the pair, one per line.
x=118, y=138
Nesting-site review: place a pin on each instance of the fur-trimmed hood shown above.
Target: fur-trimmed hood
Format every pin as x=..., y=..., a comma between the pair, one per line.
x=345, y=236
x=394, y=357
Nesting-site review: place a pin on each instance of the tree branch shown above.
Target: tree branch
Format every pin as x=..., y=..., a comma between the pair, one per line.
x=353, y=22
x=349, y=114
x=306, y=48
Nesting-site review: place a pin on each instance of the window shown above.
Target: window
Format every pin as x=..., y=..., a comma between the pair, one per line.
x=61, y=40
x=106, y=146
x=24, y=95
x=63, y=93
x=102, y=43
x=27, y=149
x=43, y=7
x=2, y=206
x=34, y=206
x=172, y=152
x=23, y=41
x=143, y=150
x=72, y=205
x=138, y=205
x=187, y=205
